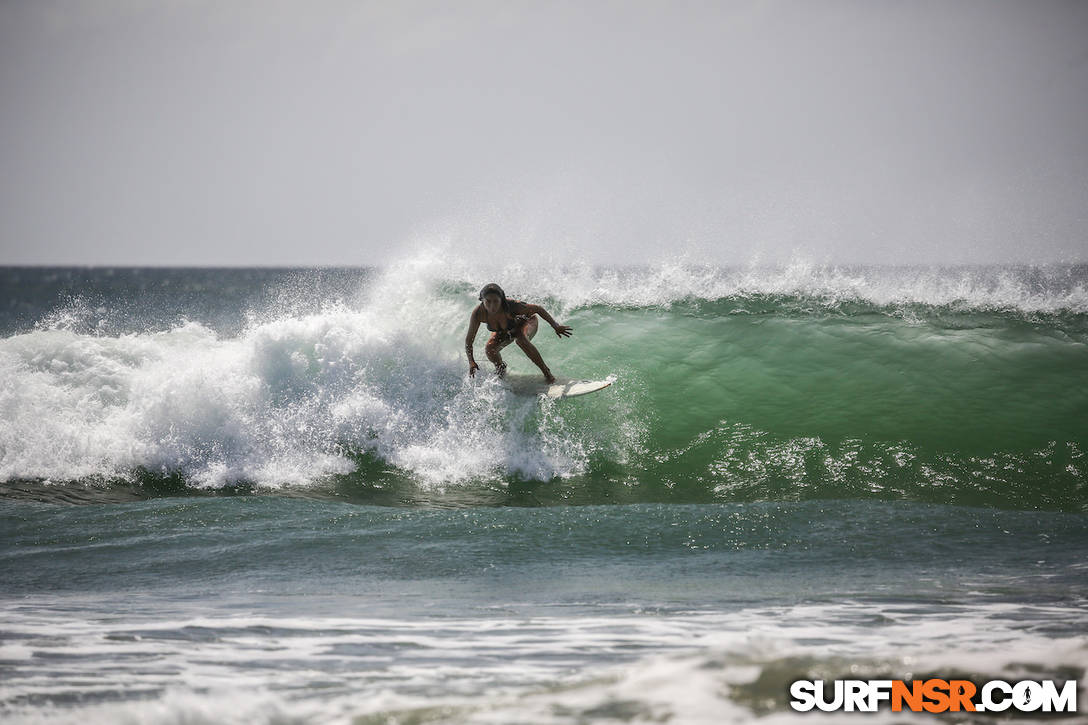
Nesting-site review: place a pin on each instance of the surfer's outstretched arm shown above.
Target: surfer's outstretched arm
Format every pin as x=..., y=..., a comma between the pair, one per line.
x=561, y=330
x=473, y=328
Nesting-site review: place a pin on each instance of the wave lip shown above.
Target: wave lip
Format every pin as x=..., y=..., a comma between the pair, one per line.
x=1020, y=288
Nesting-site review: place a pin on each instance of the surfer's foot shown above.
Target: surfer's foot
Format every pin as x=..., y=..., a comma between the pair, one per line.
x=549, y=378
x=500, y=370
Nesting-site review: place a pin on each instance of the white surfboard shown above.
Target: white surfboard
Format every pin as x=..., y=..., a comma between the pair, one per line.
x=561, y=388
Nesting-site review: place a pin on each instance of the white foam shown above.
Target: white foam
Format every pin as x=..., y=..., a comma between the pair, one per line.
x=285, y=402
x=684, y=667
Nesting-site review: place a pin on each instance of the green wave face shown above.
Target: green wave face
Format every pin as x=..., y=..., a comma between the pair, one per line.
x=736, y=404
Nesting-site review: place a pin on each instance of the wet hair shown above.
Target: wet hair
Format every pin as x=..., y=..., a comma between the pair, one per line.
x=494, y=288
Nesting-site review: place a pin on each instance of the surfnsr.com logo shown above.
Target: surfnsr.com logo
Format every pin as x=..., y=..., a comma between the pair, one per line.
x=934, y=695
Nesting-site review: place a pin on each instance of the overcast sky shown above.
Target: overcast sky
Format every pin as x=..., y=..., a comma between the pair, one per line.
x=212, y=132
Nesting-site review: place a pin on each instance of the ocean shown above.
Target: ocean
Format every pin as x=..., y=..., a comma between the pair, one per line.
x=275, y=495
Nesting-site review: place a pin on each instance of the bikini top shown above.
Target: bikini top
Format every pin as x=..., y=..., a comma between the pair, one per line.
x=513, y=322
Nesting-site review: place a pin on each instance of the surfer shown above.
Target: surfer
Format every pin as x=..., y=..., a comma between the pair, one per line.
x=509, y=321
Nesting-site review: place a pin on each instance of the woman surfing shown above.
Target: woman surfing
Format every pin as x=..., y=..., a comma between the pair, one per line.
x=509, y=321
